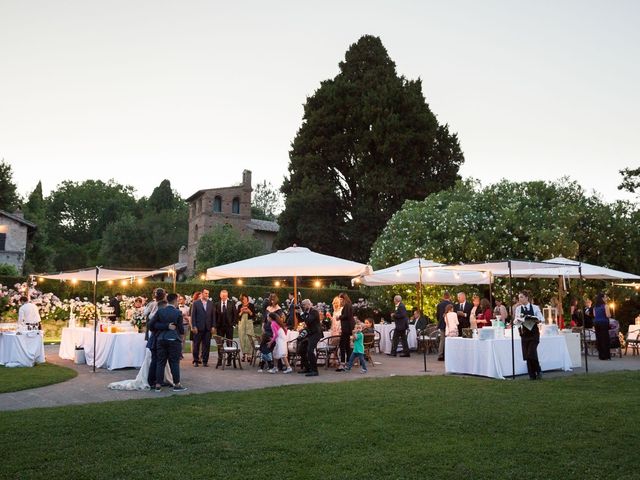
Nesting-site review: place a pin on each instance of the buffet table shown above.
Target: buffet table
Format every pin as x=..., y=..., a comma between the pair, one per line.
x=114, y=350
x=384, y=329
x=492, y=358
x=24, y=349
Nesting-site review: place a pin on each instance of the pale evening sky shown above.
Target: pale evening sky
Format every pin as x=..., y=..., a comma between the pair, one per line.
x=196, y=91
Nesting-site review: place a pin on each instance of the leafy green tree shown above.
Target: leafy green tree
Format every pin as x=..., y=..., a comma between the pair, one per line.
x=150, y=238
x=9, y=199
x=630, y=180
x=78, y=214
x=367, y=143
x=529, y=220
x=266, y=201
x=222, y=245
x=8, y=270
x=39, y=251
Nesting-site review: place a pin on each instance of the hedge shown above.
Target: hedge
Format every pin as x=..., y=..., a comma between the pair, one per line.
x=85, y=289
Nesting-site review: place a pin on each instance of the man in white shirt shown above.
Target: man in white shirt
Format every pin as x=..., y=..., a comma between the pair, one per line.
x=28, y=313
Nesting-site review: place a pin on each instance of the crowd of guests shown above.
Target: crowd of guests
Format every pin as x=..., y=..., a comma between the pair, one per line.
x=170, y=320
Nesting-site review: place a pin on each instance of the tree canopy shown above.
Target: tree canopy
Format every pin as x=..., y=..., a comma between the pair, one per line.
x=529, y=220
x=367, y=143
x=222, y=245
x=9, y=199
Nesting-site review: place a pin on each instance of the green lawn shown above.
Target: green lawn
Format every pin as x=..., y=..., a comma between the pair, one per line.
x=14, y=379
x=393, y=428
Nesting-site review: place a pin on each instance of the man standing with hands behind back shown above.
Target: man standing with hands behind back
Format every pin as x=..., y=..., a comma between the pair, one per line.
x=401, y=319
x=463, y=310
x=201, y=326
x=226, y=316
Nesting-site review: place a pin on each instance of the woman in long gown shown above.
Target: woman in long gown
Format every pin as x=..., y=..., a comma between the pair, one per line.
x=246, y=314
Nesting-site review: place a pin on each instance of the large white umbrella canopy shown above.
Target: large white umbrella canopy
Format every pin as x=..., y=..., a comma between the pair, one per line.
x=290, y=262
x=104, y=274
x=562, y=267
x=420, y=270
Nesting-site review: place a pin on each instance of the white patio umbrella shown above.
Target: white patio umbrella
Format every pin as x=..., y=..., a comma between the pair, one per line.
x=564, y=267
x=420, y=270
x=95, y=275
x=291, y=262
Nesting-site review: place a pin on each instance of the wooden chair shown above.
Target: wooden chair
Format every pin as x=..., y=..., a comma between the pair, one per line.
x=376, y=341
x=292, y=352
x=327, y=349
x=369, y=345
x=255, y=341
x=632, y=340
x=228, y=351
x=434, y=340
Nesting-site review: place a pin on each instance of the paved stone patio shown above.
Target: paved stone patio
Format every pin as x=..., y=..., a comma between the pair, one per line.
x=89, y=387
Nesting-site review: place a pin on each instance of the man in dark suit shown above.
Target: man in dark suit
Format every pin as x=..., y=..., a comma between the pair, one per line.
x=168, y=326
x=463, y=309
x=202, y=322
x=312, y=321
x=401, y=319
x=226, y=317
x=115, y=304
x=442, y=326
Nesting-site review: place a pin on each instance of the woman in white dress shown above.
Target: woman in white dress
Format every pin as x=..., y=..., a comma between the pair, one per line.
x=335, y=319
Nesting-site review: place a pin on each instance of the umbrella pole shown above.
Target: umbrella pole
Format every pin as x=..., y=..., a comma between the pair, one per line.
x=513, y=354
x=424, y=350
x=295, y=301
x=491, y=289
x=95, y=317
x=583, y=334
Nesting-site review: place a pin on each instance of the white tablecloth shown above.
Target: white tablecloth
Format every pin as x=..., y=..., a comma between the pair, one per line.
x=573, y=345
x=25, y=349
x=384, y=330
x=492, y=358
x=115, y=350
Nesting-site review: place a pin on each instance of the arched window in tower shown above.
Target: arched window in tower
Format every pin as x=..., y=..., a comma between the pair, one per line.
x=195, y=233
x=217, y=204
x=235, y=206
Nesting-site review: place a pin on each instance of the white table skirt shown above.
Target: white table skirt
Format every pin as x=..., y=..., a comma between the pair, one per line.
x=25, y=349
x=573, y=345
x=492, y=358
x=114, y=350
x=384, y=330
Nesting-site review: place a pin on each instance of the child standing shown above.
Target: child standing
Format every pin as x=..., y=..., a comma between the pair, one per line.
x=266, y=346
x=280, y=352
x=358, y=350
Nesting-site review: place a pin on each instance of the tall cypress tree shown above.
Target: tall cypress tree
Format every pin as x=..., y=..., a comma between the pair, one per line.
x=367, y=143
x=39, y=252
x=9, y=198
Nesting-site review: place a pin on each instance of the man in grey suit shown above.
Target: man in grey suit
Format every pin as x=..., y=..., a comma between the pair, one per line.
x=202, y=322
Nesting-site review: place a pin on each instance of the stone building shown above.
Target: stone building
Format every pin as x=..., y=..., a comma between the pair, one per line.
x=224, y=206
x=14, y=233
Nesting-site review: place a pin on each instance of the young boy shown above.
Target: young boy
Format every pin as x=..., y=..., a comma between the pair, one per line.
x=358, y=350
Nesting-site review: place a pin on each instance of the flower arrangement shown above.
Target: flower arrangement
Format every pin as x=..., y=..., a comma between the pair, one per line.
x=138, y=320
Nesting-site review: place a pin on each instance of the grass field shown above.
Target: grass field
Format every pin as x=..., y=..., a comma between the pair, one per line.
x=417, y=427
x=14, y=379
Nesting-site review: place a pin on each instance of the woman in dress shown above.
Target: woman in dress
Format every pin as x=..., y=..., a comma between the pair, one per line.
x=601, y=318
x=451, y=321
x=280, y=350
x=246, y=315
x=484, y=314
x=347, y=323
x=475, y=311
x=335, y=318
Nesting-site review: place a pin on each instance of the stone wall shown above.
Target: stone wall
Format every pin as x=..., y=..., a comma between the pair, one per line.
x=16, y=242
